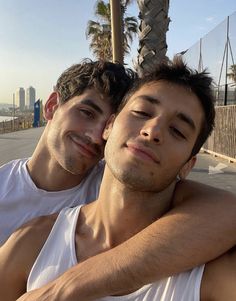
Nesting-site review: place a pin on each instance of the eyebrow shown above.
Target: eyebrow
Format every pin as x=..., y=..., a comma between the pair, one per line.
x=90, y=103
x=150, y=99
x=188, y=120
x=183, y=117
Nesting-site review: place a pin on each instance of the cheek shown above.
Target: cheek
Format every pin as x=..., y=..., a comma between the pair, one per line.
x=129, y=127
x=178, y=150
x=175, y=158
x=69, y=122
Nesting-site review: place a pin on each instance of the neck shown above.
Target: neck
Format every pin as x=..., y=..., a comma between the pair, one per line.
x=46, y=172
x=120, y=212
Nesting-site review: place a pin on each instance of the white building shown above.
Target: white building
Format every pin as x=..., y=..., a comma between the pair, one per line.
x=30, y=98
x=20, y=99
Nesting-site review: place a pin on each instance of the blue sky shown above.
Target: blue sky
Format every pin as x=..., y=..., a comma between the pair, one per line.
x=39, y=39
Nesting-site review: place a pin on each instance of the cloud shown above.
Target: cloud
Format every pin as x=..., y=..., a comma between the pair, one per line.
x=200, y=27
x=210, y=19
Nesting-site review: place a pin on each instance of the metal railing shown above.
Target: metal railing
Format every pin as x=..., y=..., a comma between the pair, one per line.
x=17, y=124
x=216, y=52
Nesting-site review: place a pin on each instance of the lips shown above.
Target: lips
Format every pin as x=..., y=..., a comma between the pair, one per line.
x=142, y=151
x=85, y=146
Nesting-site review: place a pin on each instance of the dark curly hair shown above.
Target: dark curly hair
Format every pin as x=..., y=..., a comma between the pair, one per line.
x=110, y=79
x=199, y=83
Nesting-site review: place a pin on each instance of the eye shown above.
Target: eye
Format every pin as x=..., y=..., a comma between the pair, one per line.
x=141, y=113
x=86, y=113
x=177, y=132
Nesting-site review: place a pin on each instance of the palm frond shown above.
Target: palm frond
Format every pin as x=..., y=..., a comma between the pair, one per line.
x=99, y=32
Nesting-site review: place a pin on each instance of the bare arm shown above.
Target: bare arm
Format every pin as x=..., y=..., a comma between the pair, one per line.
x=12, y=276
x=201, y=227
x=218, y=282
x=18, y=254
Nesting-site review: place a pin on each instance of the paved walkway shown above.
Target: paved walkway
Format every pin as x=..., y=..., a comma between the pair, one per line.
x=215, y=171
x=18, y=144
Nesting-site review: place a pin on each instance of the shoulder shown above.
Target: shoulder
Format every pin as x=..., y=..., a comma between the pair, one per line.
x=18, y=255
x=14, y=164
x=36, y=229
x=219, y=278
x=11, y=175
x=191, y=190
x=27, y=241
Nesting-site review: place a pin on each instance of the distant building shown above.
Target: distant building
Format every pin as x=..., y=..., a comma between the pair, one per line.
x=20, y=99
x=30, y=98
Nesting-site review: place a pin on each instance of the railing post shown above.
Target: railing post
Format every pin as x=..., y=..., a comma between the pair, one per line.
x=226, y=64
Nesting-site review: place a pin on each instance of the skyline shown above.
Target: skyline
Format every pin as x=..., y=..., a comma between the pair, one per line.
x=39, y=40
x=24, y=98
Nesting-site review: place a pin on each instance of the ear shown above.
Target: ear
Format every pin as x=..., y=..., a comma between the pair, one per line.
x=185, y=170
x=108, y=127
x=51, y=106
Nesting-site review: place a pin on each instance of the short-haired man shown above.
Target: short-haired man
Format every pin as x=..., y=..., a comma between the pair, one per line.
x=137, y=188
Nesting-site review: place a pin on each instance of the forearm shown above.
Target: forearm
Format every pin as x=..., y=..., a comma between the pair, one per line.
x=177, y=242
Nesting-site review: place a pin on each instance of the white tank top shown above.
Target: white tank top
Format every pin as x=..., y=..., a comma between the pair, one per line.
x=58, y=255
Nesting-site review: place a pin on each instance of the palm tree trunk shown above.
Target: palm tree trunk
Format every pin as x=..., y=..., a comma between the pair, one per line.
x=117, y=31
x=152, y=34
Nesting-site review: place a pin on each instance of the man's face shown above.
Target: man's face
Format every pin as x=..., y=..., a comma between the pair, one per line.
x=75, y=131
x=152, y=137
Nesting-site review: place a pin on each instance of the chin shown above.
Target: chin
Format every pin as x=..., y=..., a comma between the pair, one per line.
x=133, y=180
x=71, y=166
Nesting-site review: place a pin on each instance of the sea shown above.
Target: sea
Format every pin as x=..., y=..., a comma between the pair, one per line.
x=6, y=118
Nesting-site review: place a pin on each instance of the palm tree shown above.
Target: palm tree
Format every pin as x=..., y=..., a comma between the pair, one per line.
x=100, y=39
x=99, y=32
x=152, y=37
x=232, y=74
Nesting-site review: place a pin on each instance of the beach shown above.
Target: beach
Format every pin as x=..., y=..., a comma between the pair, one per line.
x=6, y=118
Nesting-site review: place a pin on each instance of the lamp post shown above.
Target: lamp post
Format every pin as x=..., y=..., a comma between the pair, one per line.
x=13, y=112
x=116, y=32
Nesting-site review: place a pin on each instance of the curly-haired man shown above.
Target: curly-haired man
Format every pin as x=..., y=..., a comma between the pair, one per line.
x=63, y=168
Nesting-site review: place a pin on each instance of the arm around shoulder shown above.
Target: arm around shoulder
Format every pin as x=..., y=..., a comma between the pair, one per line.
x=199, y=228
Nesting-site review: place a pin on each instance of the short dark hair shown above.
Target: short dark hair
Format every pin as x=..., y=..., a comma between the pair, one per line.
x=199, y=83
x=109, y=79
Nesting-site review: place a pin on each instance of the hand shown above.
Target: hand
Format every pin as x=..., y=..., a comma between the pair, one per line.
x=42, y=295
x=39, y=295
x=45, y=293
x=54, y=292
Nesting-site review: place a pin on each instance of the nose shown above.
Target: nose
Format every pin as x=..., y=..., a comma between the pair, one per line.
x=95, y=134
x=152, y=130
